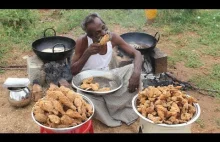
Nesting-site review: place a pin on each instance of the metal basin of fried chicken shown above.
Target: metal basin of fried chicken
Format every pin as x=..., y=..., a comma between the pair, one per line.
x=62, y=108
x=166, y=105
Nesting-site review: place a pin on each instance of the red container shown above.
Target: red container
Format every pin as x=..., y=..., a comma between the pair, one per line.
x=85, y=128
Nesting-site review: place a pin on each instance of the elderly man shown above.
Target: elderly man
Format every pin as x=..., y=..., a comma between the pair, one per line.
x=90, y=54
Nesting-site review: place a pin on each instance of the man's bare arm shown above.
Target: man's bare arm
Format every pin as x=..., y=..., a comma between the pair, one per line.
x=135, y=77
x=117, y=40
x=79, y=58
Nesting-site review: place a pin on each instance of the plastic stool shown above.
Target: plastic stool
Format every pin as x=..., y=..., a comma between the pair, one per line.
x=85, y=128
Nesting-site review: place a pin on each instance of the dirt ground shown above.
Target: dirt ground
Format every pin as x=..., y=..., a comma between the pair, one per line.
x=18, y=120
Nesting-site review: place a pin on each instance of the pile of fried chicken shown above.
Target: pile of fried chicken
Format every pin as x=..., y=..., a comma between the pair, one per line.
x=167, y=104
x=61, y=108
x=88, y=84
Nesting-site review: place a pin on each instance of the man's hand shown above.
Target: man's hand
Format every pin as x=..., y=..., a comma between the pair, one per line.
x=134, y=82
x=94, y=48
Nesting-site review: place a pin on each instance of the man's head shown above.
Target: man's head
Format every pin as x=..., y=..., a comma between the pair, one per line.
x=94, y=26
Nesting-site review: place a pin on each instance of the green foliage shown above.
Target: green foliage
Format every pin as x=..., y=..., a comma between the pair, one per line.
x=190, y=58
x=18, y=20
x=209, y=81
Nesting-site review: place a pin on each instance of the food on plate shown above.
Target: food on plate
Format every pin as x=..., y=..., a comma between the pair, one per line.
x=89, y=84
x=167, y=104
x=61, y=108
x=104, y=89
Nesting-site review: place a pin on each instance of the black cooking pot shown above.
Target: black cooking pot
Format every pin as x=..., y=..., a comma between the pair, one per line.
x=47, y=48
x=141, y=41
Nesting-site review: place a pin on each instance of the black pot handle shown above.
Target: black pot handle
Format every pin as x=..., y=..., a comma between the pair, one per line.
x=59, y=44
x=48, y=29
x=158, y=36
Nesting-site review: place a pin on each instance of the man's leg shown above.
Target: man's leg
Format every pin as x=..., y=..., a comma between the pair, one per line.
x=101, y=112
x=119, y=103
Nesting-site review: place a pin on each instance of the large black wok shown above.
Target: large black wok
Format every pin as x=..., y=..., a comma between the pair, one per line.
x=141, y=41
x=65, y=44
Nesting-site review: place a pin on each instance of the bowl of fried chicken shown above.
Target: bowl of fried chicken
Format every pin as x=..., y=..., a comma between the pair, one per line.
x=166, y=106
x=62, y=109
x=97, y=82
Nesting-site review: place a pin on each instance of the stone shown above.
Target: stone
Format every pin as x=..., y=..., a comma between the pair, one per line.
x=159, y=61
x=34, y=70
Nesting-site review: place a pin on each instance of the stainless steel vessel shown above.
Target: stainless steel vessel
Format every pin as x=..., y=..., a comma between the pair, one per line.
x=19, y=96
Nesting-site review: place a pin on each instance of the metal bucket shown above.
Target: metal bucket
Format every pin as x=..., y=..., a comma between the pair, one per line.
x=73, y=129
x=148, y=126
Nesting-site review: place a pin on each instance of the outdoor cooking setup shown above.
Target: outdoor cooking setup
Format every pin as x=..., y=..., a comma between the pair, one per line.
x=53, y=48
x=52, y=64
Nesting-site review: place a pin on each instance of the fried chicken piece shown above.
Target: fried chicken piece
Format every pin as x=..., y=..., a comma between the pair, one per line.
x=185, y=108
x=78, y=104
x=157, y=93
x=47, y=106
x=152, y=99
x=85, y=86
x=88, y=80
x=51, y=94
x=174, y=107
x=88, y=107
x=142, y=100
x=182, y=121
x=54, y=119
x=57, y=106
x=143, y=93
x=94, y=86
x=174, y=98
x=104, y=39
x=84, y=118
x=104, y=89
x=191, y=109
x=154, y=113
x=156, y=120
x=149, y=92
x=184, y=101
x=64, y=89
x=51, y=124
x=186, y=116
x=64, y=100
x=37, y=91
x=40, y=117
x=66, y=120
x=161, y=111
x=71, y=95
x=78, y=121
x=37, y=109
x=174, y=120
x=168, y=122
x=191, y=100
x=53, y=87
x=147, y=110
x=162, y=97
x=173, y=110
x=73, y=114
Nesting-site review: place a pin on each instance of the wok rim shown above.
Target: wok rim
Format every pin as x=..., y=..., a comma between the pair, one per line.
x=35, y=43
x=152, y=38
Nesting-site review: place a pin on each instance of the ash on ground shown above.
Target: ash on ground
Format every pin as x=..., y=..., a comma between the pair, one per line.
x=56, y=71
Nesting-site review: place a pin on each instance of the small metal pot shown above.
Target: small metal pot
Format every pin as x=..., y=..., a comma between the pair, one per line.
x=19, y=96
